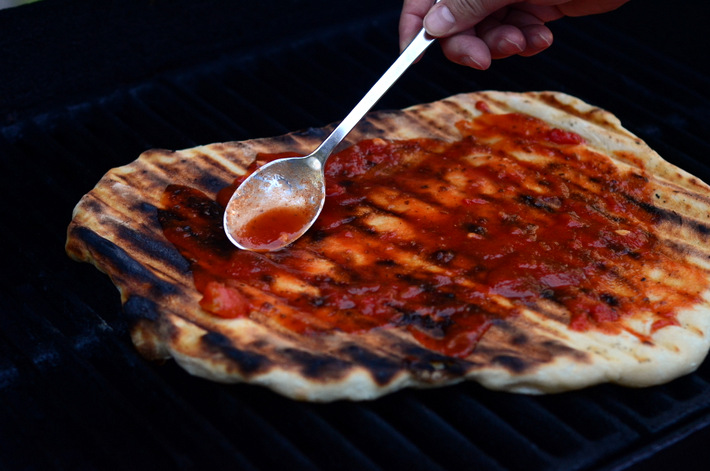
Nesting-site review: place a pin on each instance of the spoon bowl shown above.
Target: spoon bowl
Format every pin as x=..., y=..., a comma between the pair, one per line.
x=281, y=200
x=277, y=204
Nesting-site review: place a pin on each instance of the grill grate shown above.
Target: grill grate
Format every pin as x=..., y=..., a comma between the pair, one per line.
x=74, y=393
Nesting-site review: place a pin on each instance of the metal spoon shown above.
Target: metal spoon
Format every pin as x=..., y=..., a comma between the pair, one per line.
x=280, y=201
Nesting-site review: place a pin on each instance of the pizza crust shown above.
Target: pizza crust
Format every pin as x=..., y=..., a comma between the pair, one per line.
x=115, y=228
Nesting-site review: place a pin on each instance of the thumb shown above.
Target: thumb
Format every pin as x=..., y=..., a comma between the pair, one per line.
x=453, y=16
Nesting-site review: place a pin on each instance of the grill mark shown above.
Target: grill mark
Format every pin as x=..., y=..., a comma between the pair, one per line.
x=537, y=203
x=321, y=368
x=426, y=364
x=407, y=195
x=211, y=183
x=382, y=369
x=456, y=110
x=212, y=172
x=248, y=363
x=512, y=363
x=128, y=267
x=664, y=215
x=593, y=115
x=139, y=307
x=690, y=251
x=154, y=247
x=435, y=328
x=371, y=243
x=263, y=300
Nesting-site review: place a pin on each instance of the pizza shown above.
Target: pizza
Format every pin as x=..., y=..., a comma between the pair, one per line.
x=525, y=241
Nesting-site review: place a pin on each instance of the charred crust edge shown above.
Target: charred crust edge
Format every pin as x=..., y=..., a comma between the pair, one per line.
x=139, y=307
x=248, y=363
x=120, y=262
x=422, y=362
x=383, y=370
x=317, y=367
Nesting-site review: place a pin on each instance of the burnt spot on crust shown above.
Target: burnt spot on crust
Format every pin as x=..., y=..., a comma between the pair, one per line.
x=434, y=327
x=609, y=299
x=664, y=215
x=382, y=369
x=557, y=349
x=511, y=363
x=443, y=257
x=549, y=205
x=156, y=248
x=369, y=128
x=659, y=214
x=92, y=206
x=319, y=133
x=386, y=262
x=139, y=307
x=319, y=367
x=425, y=363
x=212, y=183
x=247, y=362
x=479, y=228
x=316, y=235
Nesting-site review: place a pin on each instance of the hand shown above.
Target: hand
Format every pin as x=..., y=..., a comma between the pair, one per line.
x=473, y=32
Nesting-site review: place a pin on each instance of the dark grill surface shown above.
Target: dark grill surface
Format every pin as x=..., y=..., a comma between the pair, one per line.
x=86, y=86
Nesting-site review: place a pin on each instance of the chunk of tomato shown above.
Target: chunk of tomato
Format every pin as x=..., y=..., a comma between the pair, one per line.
x=224, y=301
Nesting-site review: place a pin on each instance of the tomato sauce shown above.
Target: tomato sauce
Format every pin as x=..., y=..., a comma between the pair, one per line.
x=267, y=230
x=445, y=239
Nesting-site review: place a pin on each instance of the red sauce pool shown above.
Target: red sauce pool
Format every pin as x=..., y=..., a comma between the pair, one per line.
x=445, y=239
x=266, y=231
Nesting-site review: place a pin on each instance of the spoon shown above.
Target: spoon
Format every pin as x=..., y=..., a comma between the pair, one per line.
x=280, y=201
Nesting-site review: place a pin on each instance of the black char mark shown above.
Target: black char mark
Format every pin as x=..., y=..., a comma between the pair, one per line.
x=443, y=257
x=321, y=367
x=382, y=369
x=158, y=249
x=123, y=263
x=209, y=182
x=434, y=327
x=423, y=362
x=512, y=363
x=674, y=218
x=138, y=307
x=248, y=362
x=534, y=202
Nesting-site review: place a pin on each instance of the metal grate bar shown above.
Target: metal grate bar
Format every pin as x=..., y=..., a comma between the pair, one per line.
x=433, y=433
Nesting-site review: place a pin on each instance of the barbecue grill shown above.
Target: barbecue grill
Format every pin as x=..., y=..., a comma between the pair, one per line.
x=86, y=86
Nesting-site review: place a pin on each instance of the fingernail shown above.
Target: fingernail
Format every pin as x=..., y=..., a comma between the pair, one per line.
x=439, y=20
x=509, y=47
x=542, y=40
x=469, y=61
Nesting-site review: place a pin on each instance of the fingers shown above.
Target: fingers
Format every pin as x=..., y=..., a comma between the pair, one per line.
x=585, y=7
x=449, y=17
x=411, y=19
x=472, y=32
x=505, y=40
x=502, y=40
x=537, y=39
x=467, y=49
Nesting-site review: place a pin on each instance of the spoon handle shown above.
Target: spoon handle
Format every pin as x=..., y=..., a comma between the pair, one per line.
x=405, y=59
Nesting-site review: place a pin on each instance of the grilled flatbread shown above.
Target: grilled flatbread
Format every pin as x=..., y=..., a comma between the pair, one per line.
x=524, y=241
